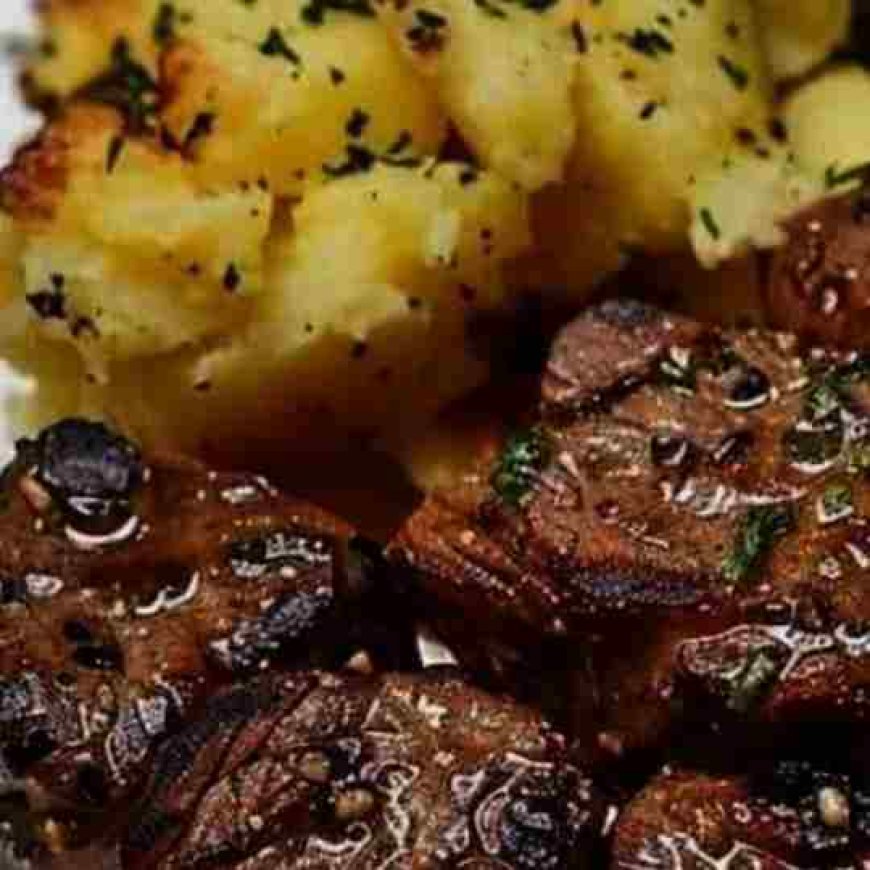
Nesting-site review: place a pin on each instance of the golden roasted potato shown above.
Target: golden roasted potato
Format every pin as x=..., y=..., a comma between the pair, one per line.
x=280, y=91
x=121, y=252
x=798, y=35
x=370, y=285
x=742, y=204
x=829, y=123
x=662, y=96
x=503, y=72
x=78, y=36
x=291, y=101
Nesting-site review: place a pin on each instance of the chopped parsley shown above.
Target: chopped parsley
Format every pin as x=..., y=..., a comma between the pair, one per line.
x=524, y=456
x=357, y=123
x=314, y=12
x=756, y=535
x=357, y=159
x=165, y=23
x=48, y=304
x=490, y=8
x=710, y=225
x=232, y=278
x=274, y=45
x=128, y=87
x=649, y=42
x=834, y=176
x=754, y=679
x=837, y=501
x=202, y=126
x=113, y=153
x=648, y=110
x=738, y=75
x=579, y=35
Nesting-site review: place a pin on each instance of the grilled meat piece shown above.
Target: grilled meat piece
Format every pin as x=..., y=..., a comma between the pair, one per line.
x=818, y=283
x=132, y=589
x=684, y=530
x=792, y=815
x=312, y=770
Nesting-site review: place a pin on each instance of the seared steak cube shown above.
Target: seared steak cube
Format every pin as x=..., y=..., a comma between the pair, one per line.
x=684, y=530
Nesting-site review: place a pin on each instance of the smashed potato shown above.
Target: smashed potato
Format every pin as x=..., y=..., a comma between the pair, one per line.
x=743, y=204
x=829, y=123
x=370, y=286
x=121, y=252
x=77, y=39
x=261, y=104
x=661, y=97
x=510, y=101
x=249, y=91
x=799, y=35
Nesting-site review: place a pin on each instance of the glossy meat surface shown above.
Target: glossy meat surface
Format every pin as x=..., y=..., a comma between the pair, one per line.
x=684, y=531
x=788, y=815
x=320, y=771
x=818, y=283
x=132, y=588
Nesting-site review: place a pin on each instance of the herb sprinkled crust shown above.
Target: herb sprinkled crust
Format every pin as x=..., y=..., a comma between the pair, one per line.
x=324, y=771
x=697, y=524
x=132, y=588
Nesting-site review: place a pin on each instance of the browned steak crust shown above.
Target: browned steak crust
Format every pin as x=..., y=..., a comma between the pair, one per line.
x=132, y=589
x=784, y=816
x=686, y=527
x=819, y=281
x=319, y=771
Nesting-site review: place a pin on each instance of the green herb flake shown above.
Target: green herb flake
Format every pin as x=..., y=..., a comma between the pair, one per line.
x=524, y=456
x=710, y=225
x=738, y=75
x=113, y=153
x=493, y=10
x=835, y=177
x=314, y=12
x=837, y=501
x=163, y=29
x=274, y=45
x=756, y=534
x=755, y=678
x=648, y=42
x=128, y=87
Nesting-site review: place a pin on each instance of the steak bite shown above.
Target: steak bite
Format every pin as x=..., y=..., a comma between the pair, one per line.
x=684, y=530
x=311, y=770
x=132, y=589
x=791, y=815
x=818, y=283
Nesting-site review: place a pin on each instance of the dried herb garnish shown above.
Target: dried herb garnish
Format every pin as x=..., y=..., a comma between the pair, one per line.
x=834, y=176
x=756, y=535
x=128, y=87
x=710, y=225
x=314, y=12
x=113, y=153
x=274, y=45
x=739, y=77
x=165, y=21
x=761, y=670
x=524, y=456
x=649, y=42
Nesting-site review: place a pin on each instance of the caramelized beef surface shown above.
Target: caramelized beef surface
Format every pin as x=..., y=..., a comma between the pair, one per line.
x=132, y=588
x=818, y=283
x=683, y=535
x=788, y=815
x=320, y=771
